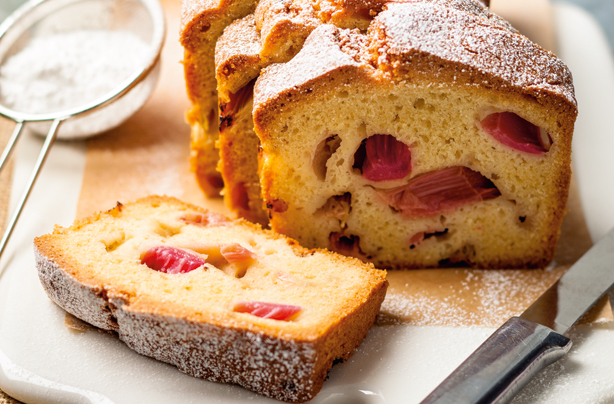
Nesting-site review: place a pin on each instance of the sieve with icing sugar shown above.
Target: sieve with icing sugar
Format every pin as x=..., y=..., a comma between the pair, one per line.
x=75, y=68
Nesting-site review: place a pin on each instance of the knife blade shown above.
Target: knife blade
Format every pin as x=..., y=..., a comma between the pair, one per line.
x=525, y=345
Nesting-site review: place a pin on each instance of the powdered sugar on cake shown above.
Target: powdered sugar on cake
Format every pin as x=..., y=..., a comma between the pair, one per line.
x=321, y=54
x=473, y=41
x=477, y=48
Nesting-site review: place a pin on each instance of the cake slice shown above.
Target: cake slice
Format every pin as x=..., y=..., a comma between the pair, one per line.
x=238, y=64
x=439, y=137
x=222, y=300
x=274, y=33
x=202, y=23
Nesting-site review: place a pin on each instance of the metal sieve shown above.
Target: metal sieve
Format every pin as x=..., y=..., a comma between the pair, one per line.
x=43, y=18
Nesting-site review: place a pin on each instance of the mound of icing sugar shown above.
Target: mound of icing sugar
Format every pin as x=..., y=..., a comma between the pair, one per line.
x=67, y=70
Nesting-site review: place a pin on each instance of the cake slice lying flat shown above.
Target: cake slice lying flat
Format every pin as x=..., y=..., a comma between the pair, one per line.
x=224, y=301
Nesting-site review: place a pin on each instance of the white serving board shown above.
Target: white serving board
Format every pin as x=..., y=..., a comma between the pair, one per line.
x=42, y=361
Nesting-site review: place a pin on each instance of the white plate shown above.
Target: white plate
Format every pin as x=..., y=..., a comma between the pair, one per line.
x=42, y=361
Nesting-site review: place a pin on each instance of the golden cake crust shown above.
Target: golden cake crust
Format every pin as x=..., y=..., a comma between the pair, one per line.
x=404, y=43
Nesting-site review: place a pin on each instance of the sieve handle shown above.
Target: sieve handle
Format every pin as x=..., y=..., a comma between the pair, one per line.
x=10, y=145
x=42, y=156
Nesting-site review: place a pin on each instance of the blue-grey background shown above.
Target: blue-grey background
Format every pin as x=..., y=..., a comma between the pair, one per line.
x=602, y=10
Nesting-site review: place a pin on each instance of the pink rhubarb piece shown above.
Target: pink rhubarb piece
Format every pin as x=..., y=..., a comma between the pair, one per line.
x=385, y=158
x=273, y=311
x=171, y=260
x=516, y=132
x=440, y=190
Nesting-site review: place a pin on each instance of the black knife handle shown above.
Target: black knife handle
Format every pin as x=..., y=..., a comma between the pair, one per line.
x=502, y=365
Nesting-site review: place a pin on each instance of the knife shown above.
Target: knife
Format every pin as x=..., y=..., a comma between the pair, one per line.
x=524, y=345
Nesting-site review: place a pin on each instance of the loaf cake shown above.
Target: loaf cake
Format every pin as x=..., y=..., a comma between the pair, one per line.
x=439, y=137
x=222, y=300
x=274, y=33
x=450, y=45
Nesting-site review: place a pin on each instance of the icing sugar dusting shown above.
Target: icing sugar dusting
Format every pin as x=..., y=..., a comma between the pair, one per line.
x=473, y=40
x=57, y=72
x=480, y=297
x=324, y=51
x=449, y=40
